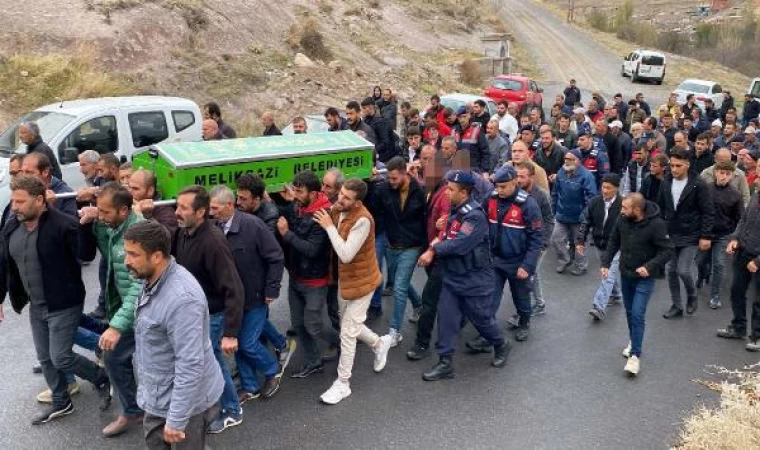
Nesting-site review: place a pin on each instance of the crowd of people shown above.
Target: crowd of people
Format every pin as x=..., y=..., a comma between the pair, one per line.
x=182, y=333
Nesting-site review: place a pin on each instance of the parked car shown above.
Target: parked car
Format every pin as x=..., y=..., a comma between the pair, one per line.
x=454, y=101
x=702, y=90
x=115, y=124
x=644, y=65
x=515, y=88
x=754, y=88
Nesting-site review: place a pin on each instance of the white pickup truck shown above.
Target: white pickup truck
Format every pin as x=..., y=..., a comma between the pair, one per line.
x=116, y=124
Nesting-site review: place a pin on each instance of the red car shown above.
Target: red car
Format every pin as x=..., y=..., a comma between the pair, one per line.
x=515, y=88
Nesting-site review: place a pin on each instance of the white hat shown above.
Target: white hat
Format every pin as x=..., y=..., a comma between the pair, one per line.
x=750, y=130
x=717, y=123
x=579, y=111
x=616, y=123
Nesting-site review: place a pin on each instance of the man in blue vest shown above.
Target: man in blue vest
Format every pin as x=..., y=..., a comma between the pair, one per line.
x=593, y=156
x=468, y=277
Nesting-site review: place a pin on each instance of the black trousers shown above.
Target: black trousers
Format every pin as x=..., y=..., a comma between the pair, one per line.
x=195, y=431
x=430, y=294
x=742, y=279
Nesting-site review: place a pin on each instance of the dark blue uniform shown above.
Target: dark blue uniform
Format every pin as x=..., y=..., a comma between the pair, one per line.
x=596, y=161
x=468, y=278
x=516, y=230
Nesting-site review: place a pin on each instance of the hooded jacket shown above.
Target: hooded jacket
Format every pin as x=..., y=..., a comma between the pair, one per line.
x=641, y=244
x=571, y=194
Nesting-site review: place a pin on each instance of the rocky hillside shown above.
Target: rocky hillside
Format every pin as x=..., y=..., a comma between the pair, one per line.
x=240, y=53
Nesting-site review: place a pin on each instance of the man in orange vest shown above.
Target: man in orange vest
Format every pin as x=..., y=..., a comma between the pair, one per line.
x=351, y=230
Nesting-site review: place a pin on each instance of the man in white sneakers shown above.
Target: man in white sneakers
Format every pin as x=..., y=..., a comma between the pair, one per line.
x=351, y=230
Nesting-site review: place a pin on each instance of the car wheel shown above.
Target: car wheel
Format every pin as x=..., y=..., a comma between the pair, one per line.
x=659, y=81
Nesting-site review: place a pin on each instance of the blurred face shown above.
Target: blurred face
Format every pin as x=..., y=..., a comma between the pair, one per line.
x=501, y=110
x=88, y=169
x=457, y=195
x=346, y=200
x=680, y=141
x=434, y=102
x=723, y=177
x=414, y=141
x=679, y=168
x=427, y=155
x=477, y=109
x=220, y=210
x=512, y=110
x=108, y=214
x=29, y=167
x=107, y=172
x=492, y=129
x=729, y=130
x=25, y=135
x=640, y=98
x=667, y=122
x=524, y=179
x=267, y=120
x=584, y=142
x=246, y=202
x=464, y=120
x=137, y=187
x=640, y=156
x=601, y=126
x=186, y=217
x=564, y=124
x=506, y=189
x=397, y=179
x=535, y=117
x=559, y=100
x=299, y=127
x=609, y=191
x=329, y=188
x=433, y=134
x=571, y=163
x=25, y=206
x=527, y=136
x=352, y=116
x=404, y=111
x=387, y=95
x=687, y=123
x=749, y=163
x=655, y=168
x=368, y=110
x=448, y=149
x=520, y=152
x=546, y=140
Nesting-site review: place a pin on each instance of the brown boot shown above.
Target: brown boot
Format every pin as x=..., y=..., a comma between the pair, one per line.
x=121, y=425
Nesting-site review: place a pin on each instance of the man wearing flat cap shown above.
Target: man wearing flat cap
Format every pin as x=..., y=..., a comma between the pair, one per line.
x=462, y=248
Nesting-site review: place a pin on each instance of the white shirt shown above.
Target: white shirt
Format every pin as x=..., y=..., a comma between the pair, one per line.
x=508, y=125
x=607, y=206
x=347, y=250
x=677, y=189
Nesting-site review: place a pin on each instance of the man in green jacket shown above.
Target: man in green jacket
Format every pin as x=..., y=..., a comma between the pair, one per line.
x=108, y=222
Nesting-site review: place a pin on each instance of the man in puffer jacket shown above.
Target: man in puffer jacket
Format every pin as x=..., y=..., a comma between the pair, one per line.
x=114, y=215
x=573, y=191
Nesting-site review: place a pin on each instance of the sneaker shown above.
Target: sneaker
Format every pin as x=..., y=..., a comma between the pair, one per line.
x=596, y=313
x=224, y=421
x=513, y=321
x=614, y=300
x=562, y=267
x=245, y=397
x=417, y=352
x=271, y=386
x=337, y=392
x=284, y=354
x=415, y=315
x=730, y=333
x=632, y=366
x=37, y=369
x=522, y=334
x=396, y=337
x=753, y=345
x=381, y=354
x=715, y=303
x=51, y=413
x=691, y=305
x=539, y=310
x=673, y=312
x=627, y=350
x=308, y=370
x=46, y=396
x=577, y=271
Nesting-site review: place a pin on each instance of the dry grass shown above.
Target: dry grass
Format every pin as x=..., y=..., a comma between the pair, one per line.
x=735, y=423
x=471, y=73
x=30, y=81
x=306, y=36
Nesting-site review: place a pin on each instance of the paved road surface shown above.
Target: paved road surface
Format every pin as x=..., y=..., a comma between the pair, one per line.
x=564, y=52
x=563, y=389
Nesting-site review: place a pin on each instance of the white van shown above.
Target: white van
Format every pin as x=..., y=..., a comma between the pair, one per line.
x=754, y=88
x=644, y=65
x=114, y=124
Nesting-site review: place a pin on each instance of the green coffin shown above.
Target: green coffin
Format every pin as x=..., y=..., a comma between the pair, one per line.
x=276, y=159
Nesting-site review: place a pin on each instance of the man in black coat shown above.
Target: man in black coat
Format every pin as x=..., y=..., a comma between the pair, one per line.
x=385, y=144
x=641, y=237
x=270, y=129
x=29, y=134
x=40, y=267
x=600, y=216
x=686, y=206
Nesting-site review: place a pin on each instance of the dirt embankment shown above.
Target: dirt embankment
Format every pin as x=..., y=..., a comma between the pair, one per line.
x=237, y=52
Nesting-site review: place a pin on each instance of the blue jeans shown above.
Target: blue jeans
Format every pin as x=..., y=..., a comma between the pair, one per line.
x=401, y=262
x=273, y=336
x=636, y=293
x=535, y=280
x=717, y=257
x=229, y=401
x=252, y=354
x=610, y=285
x=88, y=333
x=381, y=241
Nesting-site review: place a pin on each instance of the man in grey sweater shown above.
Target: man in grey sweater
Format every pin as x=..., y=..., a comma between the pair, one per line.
x=180, y=381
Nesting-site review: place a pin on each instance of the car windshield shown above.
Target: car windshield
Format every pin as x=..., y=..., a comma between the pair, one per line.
x=507, y=85
x=694, y=87
x=652, y=60
x=755, y=88
x=50, y=124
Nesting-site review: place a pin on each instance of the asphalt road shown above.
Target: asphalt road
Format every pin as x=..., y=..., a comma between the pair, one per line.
x=562, y=389
x=563, y=52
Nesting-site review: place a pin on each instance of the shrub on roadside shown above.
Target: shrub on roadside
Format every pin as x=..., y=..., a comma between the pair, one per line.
x=470, y=72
